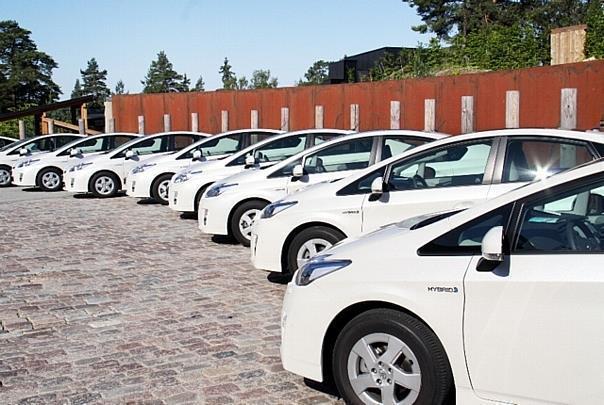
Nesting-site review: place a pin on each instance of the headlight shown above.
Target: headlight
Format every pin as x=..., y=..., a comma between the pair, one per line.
x=79, y=166
x=27, y=163
x=181, y=178
x=273, y=209
x=218, y=189
x=318, y=267
x=141, y=168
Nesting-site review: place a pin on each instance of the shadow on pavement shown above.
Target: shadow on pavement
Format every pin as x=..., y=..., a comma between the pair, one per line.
x=279, y=278
x=325, y=388
x=224, y=240
x=188, y=215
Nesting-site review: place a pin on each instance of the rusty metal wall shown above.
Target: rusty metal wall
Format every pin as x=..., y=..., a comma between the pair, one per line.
x=539, y=89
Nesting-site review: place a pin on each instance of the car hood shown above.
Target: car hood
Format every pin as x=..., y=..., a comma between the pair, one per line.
x=317, y=191
x=246, y=176
x=160, y=159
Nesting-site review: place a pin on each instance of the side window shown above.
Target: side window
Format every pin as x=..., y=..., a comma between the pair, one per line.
x=600, y=148
x=526, y=159
x=182, y=141
x=93, y=145
x=281, y=149
x=351, y=155
x=467, y=238
x=219, y=146
x=320, y=138
x=395, y=145
x=452, y=166
x=149, y=146
x=119, y=140
x=260, y=136
x=287, y=170
x=62, y=141
x=571, y=221
x=362, y=185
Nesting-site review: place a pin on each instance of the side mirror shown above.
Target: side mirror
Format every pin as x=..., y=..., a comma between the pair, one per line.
x=250, y=161
x=75, y=152
x=23, y=152
x=197, y=155
x=377, y=185
x=297, y=171
x=492, y=249
x=130, y=154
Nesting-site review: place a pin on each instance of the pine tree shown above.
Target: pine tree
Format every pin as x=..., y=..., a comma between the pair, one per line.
x=25, y=72
x=261, y=79
x=94, y=83
x=229, y=79
x=77, y=90
x=161, y=77
x=199, y=84
x=120, y=88
x=185, y=85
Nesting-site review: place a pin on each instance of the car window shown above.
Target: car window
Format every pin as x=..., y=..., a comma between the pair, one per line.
x=362, y=185
x=219, y=146
x=350, y=155
x=13, y=145
x=63, y=140
x=256, y=137
x=527, y=159
x=287, y=170
x=320, y=138
x=467, y=238
x=281, y=149
x=39, y=145
x=147, y=146
x=395, y=145
x=182, y=141
x=572, y=221
x=452, y=166
x=4, y=142
x=93, y=145
x=119, y=140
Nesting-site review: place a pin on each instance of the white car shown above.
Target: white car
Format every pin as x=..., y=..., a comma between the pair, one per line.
x=45, y=170
x=501, y=303
x=451, y=173
x=27, y=147
x=5, y=141
x=229, y=207
x=103, y=175
x=152, y=178
x=187, y=187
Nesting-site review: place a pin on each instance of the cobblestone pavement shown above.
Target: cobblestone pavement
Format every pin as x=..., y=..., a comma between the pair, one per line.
x=110, y=301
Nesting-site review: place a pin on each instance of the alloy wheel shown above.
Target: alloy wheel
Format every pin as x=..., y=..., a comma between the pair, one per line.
x=51, y=180
x=4, y=177
x=310, y=248
x=104, y=185
x=163, y=190
x=246, y=221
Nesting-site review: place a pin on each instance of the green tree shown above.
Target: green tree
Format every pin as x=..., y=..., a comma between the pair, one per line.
x=199, y=84
x=94, y=83
x=316, y=74
x=242, y=83
x=25, y=72
x=77, y=90
x=261, y=79
x=229, y=79
x=594, y=43
x=185, y=85
x=161, y=76
x=120, y=88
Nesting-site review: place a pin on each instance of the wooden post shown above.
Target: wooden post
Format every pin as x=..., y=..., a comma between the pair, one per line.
x=51, y=126
x=512, y=109
x=141, y=125
x=284, y=119
x=21, y=129
x=354, y=117
x=167, y=123
x=81, y=126
x=109, y=121
x=568, y=108
x=429, y=114
x=467, y=114
x=194, y=122
x=84, y=116
x=254, y=119
x=224, y=121
x=319, y=116
x=109, y=125
x=395, y=115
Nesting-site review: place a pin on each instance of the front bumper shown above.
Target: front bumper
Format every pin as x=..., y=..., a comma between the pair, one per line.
x=138, y=185
x=213, y=216
x=182, y=196
x=76, y=182
x=268, y=237
x=25, y=176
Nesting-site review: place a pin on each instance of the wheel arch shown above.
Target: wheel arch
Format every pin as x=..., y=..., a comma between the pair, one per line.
x=290, y=237
x=39, y=174
x=199, y=193
x=156, y=179
x=239, y=204
x=121, y=185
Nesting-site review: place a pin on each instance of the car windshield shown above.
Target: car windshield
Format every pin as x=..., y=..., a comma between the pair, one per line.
x=424, y=220
x=12, y=145
x=72, y=143
x=126, y=145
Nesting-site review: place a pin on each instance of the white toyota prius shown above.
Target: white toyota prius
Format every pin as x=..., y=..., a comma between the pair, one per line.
x=151, y=179
x=187, y=186
x=502, y=303
x=450, y=173
x=103, y=175
x=45, y=170
x=230, y=207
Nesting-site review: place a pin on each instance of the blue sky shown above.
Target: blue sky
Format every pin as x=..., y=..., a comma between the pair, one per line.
x=283, y=36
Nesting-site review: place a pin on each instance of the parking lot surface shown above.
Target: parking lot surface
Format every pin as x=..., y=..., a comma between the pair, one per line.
x=110, y=301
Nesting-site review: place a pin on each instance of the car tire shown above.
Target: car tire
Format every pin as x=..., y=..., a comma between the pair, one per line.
x=105, y=184
x=159, y=188
x=243, y=218
x=415, y=370
x=5, y=176
x=50, y=179
x=309, y=242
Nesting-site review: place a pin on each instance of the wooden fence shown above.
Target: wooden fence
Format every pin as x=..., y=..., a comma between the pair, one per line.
x=567, y=96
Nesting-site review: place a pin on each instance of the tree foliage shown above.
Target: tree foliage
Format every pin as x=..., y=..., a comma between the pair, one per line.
x=261, y=79
x=25, y=72
x=77, y=90
x=316, y=74
x=229, y=79
x=594, y=43
x=94, y=83
x=199, y=84
x=162, y=78
x=120, y=88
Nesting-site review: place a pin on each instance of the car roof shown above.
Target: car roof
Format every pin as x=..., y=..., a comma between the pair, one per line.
x=238, y=131
x=227, y=133
x=127, y=144
x=69, y=145
x=28, y=140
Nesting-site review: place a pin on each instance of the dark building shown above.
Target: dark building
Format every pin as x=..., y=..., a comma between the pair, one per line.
x=354, y=68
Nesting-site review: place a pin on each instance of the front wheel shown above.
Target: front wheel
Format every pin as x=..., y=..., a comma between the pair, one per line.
x=243, y=219
x=50, y=179
x=160, y=188
x=310, y=242
x=384, y=356
x=5, y=178
x=105, y=184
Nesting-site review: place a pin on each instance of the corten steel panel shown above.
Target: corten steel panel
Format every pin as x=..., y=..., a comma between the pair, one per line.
x=225, y=101
x=202, y=103
x=245, y=101
x=590, y=93
x=301, y=107
x=334, y=106
x=126, y=109
x=490, y=98
x=540, y=97
x=378, y=115
x=176, y=104
x=272, y=100
x=414, y=92
x=153, y=110
x=360, y=94
x=448, y=105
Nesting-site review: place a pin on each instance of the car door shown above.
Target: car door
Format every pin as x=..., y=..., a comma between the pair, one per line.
x=526, y=158
x=143, y=150
x=533, y=325
x=453, y=176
